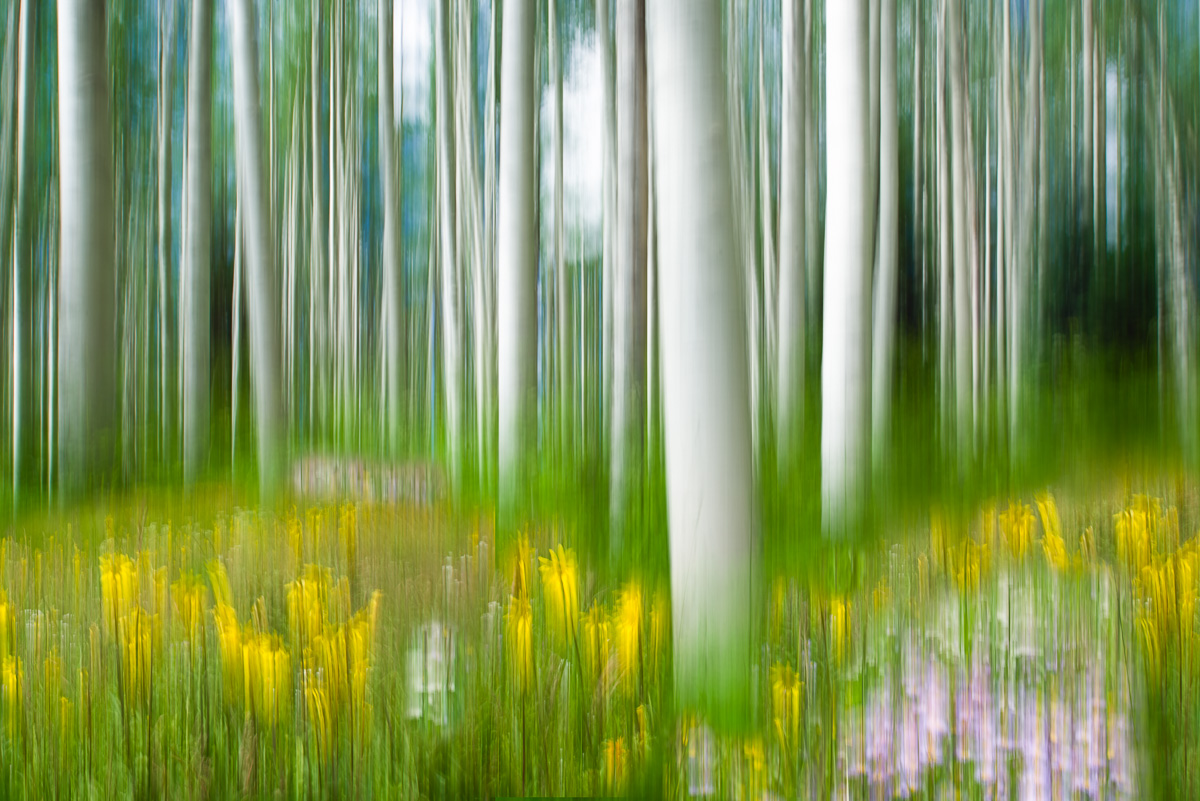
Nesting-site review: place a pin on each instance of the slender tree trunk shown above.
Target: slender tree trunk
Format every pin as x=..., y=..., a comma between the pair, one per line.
x=451, y=341
x=262, y=282
x=87, y=286
x=629, y=309
x=393, y=288
x=609, y=213
x=516, y=245
x=789, y=407
x=769, y=306
x=197, y=277
x=24, y=437
x=960, y=165
x=1030, y=188
x=812, y=115
x=562, y=279
x=886, y=276
x=710, y=496
x=944, y=223
x=1100, y=144
x=1088, y=45
x=166, y=73
x=846, y=354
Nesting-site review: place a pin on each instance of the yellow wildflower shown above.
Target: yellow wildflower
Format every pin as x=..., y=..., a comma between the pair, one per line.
x=628, y=624
x=8, y=628
x=222, y=594
x=595, y=639
x=118, y=589
x=560, y=589
x=189, y=596
x=1053, y=544
x=307, y=599
x=614, y=764
x=229, y=637
x=520, y=640
x=12, y=679
x=1016, y=525
x=139, y=648
x=786, y=691
x=268, y=677
x=839, y=627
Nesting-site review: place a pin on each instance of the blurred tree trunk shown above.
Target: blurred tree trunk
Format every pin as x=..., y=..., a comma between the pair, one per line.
x=789, y=406
x=609, y=210
x=960, y=167
x=846, y=354
x=710, y=496
x=392, y=266
x=23, y=432
x=86, y=298
x=166, y=94
x=886, y=268
x=629, y=300
x=516, y=245
x=262, y=282
x=1088, y=46
x=945, y=261
x=197, y=268
x=451, y=340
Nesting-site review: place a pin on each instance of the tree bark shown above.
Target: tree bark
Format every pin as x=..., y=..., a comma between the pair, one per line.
x=886, y=276
x=87, y=285
x=24, y=437
x=516, y=245
x=960, y=165
x=789, y=407
x=392, y=266
x=713, y=545
x=197, y=268
x=262, y=282
x=846, y=354
x=629, y=304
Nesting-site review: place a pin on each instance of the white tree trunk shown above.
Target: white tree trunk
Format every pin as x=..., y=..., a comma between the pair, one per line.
x=945, y=262
x=629, y=299
x=886, y=276
x=960, y=165
x=713, y=544
x=451, y=340
x=562, y=303
x=87, y=285
x=1087, y=45
x=393, y=297
x=846, y=354
x=516, y=245
x=262, y=282
x=24, y=437
x=197, y=269
x=792, y=235
x=609, y=208
x=166, y=94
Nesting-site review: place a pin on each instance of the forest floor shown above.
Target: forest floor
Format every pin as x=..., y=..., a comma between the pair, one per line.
x=154, y=645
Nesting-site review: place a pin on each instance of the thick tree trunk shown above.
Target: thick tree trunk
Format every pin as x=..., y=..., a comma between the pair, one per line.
x=562, y=303
x=197, y=268
x=886, y=275
x=393, y=288
x=846, y=355
x=87, y=285
x=707, y=419
x=262, y=282
x=516, y=245
x=24, y=437
x=789, y=407
x=629, y=304
x=609, y=209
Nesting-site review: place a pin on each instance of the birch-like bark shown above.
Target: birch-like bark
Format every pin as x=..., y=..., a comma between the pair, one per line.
x=944, y=223
x=87, y=286
x=710, y=498
x=1088, y=46
x=261, y=280
x=846, y=347
x=609, y=207
x=166, y=73
x=562, y=279
x=812, y=115
x=789, y=406
x=886, y=275
x=629, y=305
x=516, y=245
x=960, y=165
x=393, y=288
x=24, y=437
x=197, y=269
